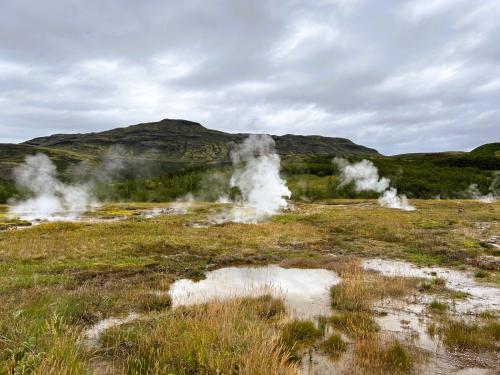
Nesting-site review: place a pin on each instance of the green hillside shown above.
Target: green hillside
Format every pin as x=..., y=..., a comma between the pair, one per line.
x=487, y=150
x=167, y=159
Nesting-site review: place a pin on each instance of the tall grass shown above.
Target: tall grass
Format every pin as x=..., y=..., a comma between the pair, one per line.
x=462, y=335
x=380, y=358
x=217, y=338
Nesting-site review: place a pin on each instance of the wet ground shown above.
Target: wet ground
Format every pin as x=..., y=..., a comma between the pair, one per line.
x=306, y=295
x=305, y=291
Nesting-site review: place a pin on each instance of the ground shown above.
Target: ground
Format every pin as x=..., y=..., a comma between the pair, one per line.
x=57, y=279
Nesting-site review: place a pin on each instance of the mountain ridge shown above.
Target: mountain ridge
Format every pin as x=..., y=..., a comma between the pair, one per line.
x=191, y=141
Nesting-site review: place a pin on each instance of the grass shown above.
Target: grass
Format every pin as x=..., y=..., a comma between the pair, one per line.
x=78, y=273
x=437, y=306
x=489, y=314
x=463, y=335
x=219, y=337
x=423, y=258
x=334, y=346
x=436, y=284
x=481, y=274
x=359, y=289
x=296, y=334
x=355, y=324
x=376, y=357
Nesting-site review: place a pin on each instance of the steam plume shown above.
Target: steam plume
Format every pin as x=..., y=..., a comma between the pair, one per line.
x=474, y=193
x=257, y=176
x=364, y=175
x=51, y=198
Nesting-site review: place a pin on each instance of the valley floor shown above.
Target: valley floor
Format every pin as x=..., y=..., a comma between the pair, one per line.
x=60, y=279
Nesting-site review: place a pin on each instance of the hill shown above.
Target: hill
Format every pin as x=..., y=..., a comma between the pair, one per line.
x=190, y=142
x=169, y=158
x=489, y=149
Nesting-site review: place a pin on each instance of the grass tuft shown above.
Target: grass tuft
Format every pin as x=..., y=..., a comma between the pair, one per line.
x=356, y=324
x=481, y=274
x=375, y=357
x=220, y=337
x=462, y=335
x=334, y=346
x=438, y=306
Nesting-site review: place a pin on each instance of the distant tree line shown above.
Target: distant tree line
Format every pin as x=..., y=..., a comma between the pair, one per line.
x=310, y=178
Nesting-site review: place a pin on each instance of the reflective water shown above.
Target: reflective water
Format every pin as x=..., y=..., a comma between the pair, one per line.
x=92, y=335
x=481, y=297
x=305, y=291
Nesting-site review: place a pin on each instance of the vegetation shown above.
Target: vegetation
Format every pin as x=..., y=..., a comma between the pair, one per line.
x=177, y=164
x=57, y=279
x=481, y=274
x=297, y=333
x=334, y=346
x=438, y=306
x=462, y=335
x=391, y=358
x=214, y=338
x=489, y=149
x=356, y=324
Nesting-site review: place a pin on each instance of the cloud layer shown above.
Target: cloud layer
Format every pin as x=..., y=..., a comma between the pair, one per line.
x=400, y=76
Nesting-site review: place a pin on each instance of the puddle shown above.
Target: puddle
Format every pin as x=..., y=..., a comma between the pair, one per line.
x=481, y=297
x=306, y=296
x=174, y=210
x=305, y=291
x=93, y=334
x=92, y=217
x=408, y=319
x=199, y=225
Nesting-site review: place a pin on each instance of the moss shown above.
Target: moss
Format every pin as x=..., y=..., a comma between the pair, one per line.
x=422, y=257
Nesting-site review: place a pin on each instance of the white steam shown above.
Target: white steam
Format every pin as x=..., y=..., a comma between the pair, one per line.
x=51, y=198
x=391, y=199
x=257, y=177
x=364, y=176
x=474, y=193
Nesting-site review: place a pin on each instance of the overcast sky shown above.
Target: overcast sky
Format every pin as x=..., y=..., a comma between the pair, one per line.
x=399, y=76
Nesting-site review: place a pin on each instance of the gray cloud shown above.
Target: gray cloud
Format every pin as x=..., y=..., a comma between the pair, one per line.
x=400, y=76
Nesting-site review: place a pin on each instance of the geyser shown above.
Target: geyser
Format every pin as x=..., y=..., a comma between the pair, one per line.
x=257, y=176
x=51, y=198
x=474, y=193
x=364, y=176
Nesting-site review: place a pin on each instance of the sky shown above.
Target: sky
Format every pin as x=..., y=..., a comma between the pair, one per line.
x=398, y=76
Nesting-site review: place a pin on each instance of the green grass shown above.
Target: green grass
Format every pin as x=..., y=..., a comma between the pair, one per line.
x=423, y=258
x=398, y=358
x=378, y=357
x=297, y=333
x=438, y=306
x=481, y=274
x=208, y=339
x=81, y=272
x=355, y=324
x=334, y=346
x=462, y=335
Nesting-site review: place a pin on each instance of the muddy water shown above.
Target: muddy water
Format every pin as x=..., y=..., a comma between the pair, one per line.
x=305, y=291
x=87, y=218
x=481, y=297
x=306, y=295
x=409, y=318
x=92, y=335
